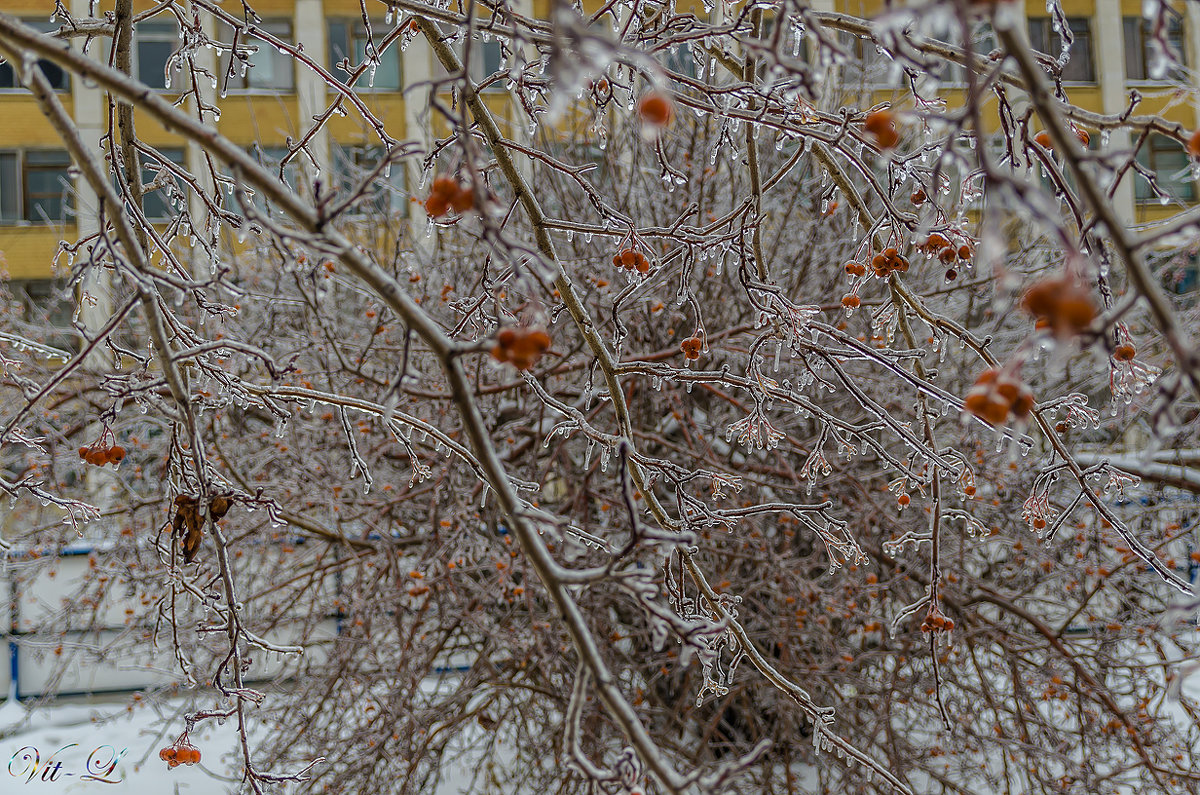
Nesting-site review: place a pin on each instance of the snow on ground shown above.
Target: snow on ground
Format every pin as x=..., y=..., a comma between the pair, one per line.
x=142, y=731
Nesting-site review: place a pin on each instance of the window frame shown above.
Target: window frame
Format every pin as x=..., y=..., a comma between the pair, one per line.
x=176, y=156
x=481, y=53
x=151, y=32
x=64, y=76
x=1148, y=155
x=349, y=158
x=1045, y=39
x=47, y=297
x=20, y=198
x=355, y=34
x=983, y=41
x=280, y=28
x=269, y=157
x=1138, y=49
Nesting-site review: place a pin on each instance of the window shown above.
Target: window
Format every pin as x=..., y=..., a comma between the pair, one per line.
x=386, y=194
x=1171, y=167
x=157, y=203
x=10, y=188
x=1144, y=59
x=348, y=42
x=154, y=43
x=1081, y=67
x=266, y=69
x=35, y=186
x=9, y=79
x=48, y=305
x=485, y=62
x=269, y=157
x=983, y=41
x=679, y=60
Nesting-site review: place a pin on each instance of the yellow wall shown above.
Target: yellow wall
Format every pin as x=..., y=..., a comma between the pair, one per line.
x=26, y=252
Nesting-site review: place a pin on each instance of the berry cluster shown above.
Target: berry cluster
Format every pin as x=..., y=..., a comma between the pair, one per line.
x=181, y=753
x=691, y=348
x=520, y=347
x=446, y=195
x=99, y=454
x=1060, y=304
x=994, y=397
x=882, y=125
x=937, y=621
x=947, y=253
x=629, y=259
x=656, y=109
x=888, y=261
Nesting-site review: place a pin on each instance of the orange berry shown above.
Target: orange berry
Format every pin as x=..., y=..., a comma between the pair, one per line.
x=903, y=499
x=878, y=120
x=444, y=187
x=656, y=109
x=969, y=491
x=116, y=454
x=436, y=205
x=888, y=138
x=1124, y=353
x=1043, y=140
x=462, y=200
x=1193, y=144
x=850, y=301
x=918, y=197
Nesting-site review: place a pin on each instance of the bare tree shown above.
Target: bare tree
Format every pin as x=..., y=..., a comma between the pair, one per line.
x=699, y=425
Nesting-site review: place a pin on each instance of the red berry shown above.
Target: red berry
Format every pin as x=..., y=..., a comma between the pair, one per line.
x=656, y=109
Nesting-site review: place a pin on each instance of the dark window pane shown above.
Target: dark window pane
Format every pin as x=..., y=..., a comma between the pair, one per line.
x=47, y=305
x=348, y=40
x=491, y=57
x=54, y=75
x=1037, y=34
x=680, y=60
x=157, y=203
x=269, y=157
x=155, y=42
x=268, y=67
x=1170, y=165
x=10, y=184
x=1132, y=31
x=1081, y=67
x=339, y=47
x=47, y=191
x=387, y=73
x=1140, y=49
x=385, y=194
x=152, y=63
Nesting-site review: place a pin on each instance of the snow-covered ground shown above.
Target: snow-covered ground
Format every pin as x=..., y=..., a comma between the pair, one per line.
x=74, y=732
